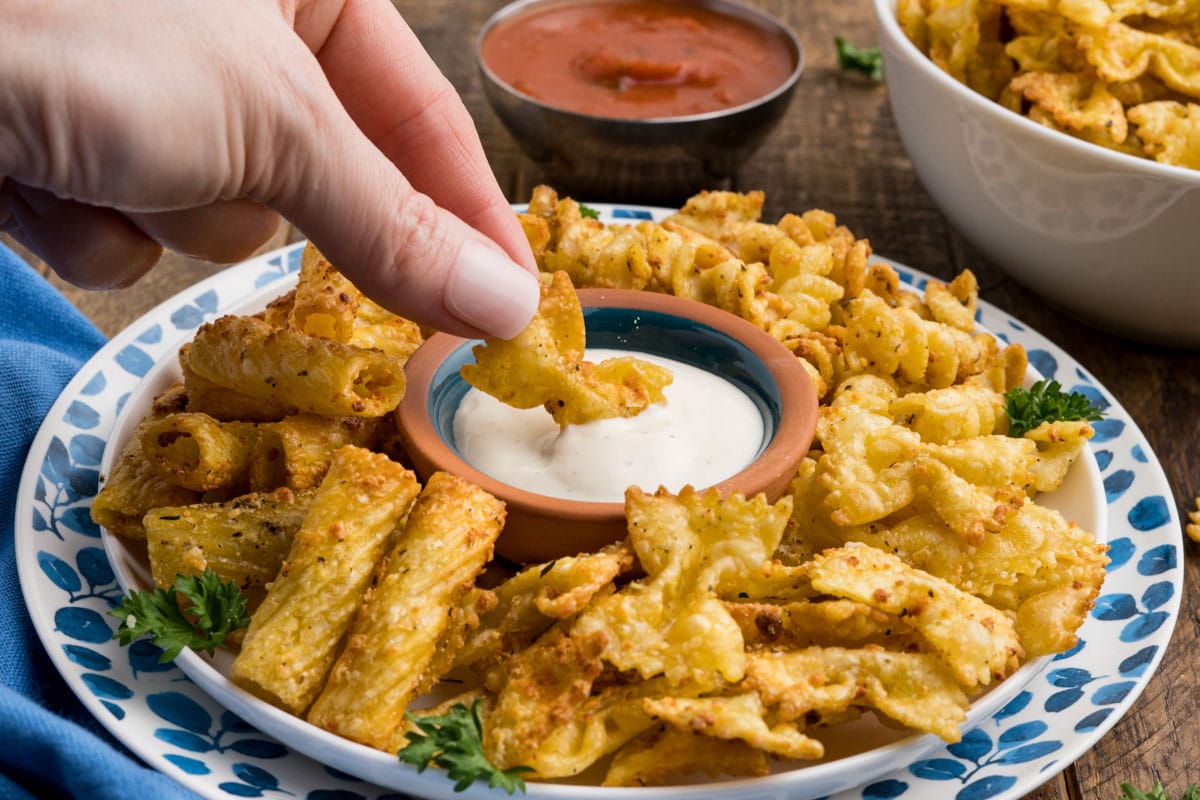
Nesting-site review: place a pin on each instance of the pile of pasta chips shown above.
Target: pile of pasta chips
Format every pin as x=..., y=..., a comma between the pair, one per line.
x=908, y=569
x=1123, y=74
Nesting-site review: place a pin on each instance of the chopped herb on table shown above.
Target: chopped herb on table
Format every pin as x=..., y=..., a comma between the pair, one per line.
x=214, y=610
x=867, y=60
x=1045, y=401
x=1158, y=793
x=590, y=213
x=454, y=742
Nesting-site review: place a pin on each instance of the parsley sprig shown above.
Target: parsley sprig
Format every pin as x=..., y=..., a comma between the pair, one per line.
x=454, y=742
x=588, y=211
x=1157, y=793
x=214, y=610
x=1045, y=401
x=867, y=60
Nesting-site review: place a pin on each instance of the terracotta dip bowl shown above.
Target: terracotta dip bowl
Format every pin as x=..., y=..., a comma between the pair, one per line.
x=540, y=528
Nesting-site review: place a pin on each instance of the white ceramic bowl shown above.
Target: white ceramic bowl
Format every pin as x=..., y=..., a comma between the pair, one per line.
x=1111, y=238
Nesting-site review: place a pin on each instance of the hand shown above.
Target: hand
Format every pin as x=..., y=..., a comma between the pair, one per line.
x=128, y=127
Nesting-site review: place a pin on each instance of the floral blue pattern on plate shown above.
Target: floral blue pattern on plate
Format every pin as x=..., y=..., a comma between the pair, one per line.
x=167, y=719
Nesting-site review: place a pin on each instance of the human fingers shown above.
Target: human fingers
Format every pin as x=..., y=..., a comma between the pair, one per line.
x=91, y=247
x=400, y=99
x=225, y=231
x=395, y=243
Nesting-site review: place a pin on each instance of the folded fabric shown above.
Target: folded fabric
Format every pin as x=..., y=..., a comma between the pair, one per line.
x=52, y=746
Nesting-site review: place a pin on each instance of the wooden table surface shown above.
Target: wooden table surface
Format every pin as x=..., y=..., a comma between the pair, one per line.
x=838, y=150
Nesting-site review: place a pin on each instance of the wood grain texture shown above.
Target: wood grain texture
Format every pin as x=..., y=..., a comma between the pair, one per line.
x=838, y=149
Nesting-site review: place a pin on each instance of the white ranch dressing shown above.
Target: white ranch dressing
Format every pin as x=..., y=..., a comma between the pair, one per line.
x=707, y=431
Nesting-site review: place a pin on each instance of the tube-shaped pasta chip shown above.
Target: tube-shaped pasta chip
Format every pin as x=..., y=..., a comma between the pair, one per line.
x=445, y=543
x=326, y=301
x=309, y=441
x=377, y=328
x=543, y=365
x=295, y=634
x=313, y=374
x=201, y=453
x=244, y=540
x=132, y=488
x=224, y=403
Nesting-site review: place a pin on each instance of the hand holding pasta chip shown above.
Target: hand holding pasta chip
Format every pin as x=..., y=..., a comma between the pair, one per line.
x=543, y=365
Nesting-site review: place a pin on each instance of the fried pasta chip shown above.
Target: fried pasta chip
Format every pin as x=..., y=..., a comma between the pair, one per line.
x=805, y=623
x=407, y=611
x=1075, y=101
x=976, y=641
x=915, y=689
x=1170, y=130
x=691, y=546
x=1036, y=556
x=719, y=215
x=543, y=365
x=295, y=635
x=529, y=603
x=741, y=716
x=1121, y=74
x=1193, y=527
x=326, y=302
x=545, y=688
x=868, y=464
x=658, y=755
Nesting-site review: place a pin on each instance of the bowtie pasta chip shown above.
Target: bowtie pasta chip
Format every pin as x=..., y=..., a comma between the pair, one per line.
x=1123, y=74
x=690, y=545
x=976, y=641
x=543, y=365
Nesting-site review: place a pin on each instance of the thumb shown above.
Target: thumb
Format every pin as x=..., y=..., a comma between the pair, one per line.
x=394, y=243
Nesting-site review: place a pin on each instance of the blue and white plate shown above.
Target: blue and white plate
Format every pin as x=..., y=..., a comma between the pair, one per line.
x=186, y=720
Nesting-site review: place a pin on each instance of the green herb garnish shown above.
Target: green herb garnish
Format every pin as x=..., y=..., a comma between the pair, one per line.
x=454, y=742
x=867, y=60
x=1158, y=793
x=214, y=610
x=1045, y=401
x=591, y=213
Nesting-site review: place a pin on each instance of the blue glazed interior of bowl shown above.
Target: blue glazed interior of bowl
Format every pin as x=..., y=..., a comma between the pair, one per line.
x=653, y=332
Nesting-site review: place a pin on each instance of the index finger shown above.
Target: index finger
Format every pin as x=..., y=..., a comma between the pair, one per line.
x=400, y=99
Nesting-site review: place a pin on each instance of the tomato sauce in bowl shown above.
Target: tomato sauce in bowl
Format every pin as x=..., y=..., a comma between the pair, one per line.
x=637, y=59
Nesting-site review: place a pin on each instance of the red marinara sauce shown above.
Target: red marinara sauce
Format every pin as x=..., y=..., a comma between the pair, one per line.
x=637, y=59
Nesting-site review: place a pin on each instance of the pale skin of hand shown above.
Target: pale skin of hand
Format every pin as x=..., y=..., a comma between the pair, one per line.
x=191, y=125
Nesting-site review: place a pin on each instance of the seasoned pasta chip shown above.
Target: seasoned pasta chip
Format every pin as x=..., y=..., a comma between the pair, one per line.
x=1170, y=130
x=691, y=547
x=915, y=689
x=976, y=641
x=543, y=365
x=658, y=755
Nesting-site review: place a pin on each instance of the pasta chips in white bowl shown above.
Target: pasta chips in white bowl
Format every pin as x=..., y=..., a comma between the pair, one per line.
x=855, y=752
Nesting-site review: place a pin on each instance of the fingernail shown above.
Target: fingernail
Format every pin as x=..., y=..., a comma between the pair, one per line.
x=490, y=292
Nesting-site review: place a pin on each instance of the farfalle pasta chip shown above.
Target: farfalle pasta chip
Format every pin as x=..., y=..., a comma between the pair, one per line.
x=544, y=365
x=1123, y=74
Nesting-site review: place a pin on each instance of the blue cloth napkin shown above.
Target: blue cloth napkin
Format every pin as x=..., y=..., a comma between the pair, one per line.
x=52, y=747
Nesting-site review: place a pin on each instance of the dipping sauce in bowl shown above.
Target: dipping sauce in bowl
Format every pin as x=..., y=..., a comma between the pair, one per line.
x=637, y=59
x=638, y=100
x=776, y=391
x=707, y=431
